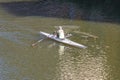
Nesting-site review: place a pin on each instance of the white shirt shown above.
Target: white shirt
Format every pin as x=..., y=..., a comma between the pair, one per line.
x=61, y=34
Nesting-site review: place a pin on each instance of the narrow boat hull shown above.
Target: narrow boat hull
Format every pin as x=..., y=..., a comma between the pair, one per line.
x=65, y=41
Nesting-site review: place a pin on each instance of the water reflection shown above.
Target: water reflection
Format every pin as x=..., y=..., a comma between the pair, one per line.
x=61, y=49
x=81, y=64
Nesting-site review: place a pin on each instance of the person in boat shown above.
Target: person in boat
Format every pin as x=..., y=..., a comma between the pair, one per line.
x=60, y=33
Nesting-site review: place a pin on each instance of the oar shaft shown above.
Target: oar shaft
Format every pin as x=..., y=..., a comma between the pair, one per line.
x=37, y=42
x=68, y=35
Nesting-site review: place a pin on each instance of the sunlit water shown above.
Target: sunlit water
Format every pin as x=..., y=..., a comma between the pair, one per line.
x=49, y=60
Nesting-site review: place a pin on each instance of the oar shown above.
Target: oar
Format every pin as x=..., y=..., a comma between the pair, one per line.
x=37, y=42
x=68, y=35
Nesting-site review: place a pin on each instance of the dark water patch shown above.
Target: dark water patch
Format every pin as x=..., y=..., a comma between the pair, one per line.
x=68, y=10
x=32, y=8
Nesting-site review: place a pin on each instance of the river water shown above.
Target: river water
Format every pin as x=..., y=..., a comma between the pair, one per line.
x=49, y=60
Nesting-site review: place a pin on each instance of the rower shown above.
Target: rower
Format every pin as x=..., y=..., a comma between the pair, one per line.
x=60, y=33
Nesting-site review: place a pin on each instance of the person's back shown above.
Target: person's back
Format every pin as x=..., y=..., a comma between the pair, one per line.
x=61, y=33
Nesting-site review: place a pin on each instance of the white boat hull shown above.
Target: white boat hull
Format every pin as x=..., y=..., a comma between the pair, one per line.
x=65, y=41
